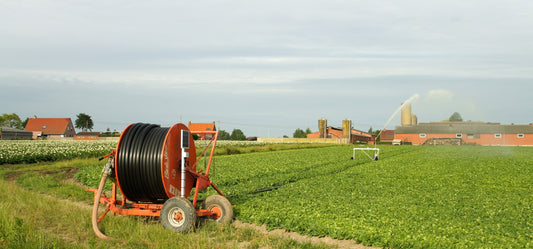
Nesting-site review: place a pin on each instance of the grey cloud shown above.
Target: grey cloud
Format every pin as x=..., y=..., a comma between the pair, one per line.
x=277, y=65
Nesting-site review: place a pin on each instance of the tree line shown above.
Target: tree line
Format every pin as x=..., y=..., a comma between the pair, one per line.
x=85, y=123
x=236, y=134
x=12, y=120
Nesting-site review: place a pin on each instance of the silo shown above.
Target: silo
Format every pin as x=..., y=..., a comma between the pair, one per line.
x=414, y=119
x=322, y=126
x=346, y=128
x=406, y=114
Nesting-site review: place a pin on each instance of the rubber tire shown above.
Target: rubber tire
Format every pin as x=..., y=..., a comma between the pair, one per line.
x=220, y=202
x=183, y=206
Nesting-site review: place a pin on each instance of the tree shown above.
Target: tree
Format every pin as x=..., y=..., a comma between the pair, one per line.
x=237, y=134
x=299, y=133
x=11, y=120
x=373, y=132
x=308, y=131
x=455, y=117
x=24, y=123
x=377, y=133
x=224, y=135
x=84, y=122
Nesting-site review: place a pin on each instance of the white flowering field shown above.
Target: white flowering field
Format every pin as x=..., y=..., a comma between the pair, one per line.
x=31, y=151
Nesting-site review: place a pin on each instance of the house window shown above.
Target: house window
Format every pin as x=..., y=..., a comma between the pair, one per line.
x=521, y=135
x=422, y=135
x=458, y=135
x=497, y=135
x=470, y=136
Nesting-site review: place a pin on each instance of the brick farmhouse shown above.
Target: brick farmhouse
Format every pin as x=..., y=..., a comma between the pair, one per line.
x=50, y=127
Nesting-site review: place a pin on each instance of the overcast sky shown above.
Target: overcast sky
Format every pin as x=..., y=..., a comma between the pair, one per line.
x=266, y=67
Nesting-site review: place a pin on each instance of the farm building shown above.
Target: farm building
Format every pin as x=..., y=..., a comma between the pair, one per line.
x=202, y=127
x=468, y=132
x=387, y=136
x=346, y=132
x=481, y=133
x=8, y=133
x=50, y=127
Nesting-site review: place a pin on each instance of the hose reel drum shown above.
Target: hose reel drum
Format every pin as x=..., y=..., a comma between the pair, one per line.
x=148, y=163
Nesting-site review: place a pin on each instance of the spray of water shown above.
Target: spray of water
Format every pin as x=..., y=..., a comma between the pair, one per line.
x=408, y=101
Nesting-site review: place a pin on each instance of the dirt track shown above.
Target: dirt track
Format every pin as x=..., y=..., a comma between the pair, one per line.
x=349, y=244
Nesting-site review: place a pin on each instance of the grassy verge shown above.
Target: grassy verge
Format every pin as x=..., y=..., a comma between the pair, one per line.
x=43, y=207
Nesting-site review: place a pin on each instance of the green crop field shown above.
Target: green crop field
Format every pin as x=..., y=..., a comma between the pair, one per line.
x=413, y=197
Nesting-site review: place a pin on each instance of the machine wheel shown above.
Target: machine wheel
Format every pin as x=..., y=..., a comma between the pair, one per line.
x=178, y=214
x=221, y=207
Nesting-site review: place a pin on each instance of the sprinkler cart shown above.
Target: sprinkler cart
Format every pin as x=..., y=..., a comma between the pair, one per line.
x=154, y=169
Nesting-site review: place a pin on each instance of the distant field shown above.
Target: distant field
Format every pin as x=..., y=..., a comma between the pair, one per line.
x=32, y=151
x=413, y=197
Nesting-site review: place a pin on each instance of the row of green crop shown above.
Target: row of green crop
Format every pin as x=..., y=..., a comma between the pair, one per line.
x=413, y=197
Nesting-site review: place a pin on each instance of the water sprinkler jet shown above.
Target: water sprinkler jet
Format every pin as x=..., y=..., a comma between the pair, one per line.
x=410, y=100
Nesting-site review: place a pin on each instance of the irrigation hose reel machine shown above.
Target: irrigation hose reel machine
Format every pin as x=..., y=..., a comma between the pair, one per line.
x=155, y=170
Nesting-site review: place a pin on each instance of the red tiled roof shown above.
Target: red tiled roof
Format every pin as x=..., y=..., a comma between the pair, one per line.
x=362, y=133
x=48, y=126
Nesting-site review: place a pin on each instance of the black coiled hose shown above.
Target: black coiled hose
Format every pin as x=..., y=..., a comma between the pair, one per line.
x=138, y=165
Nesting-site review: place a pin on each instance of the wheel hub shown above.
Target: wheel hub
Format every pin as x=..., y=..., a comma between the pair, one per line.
x=176, y=217
x=217, y=212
